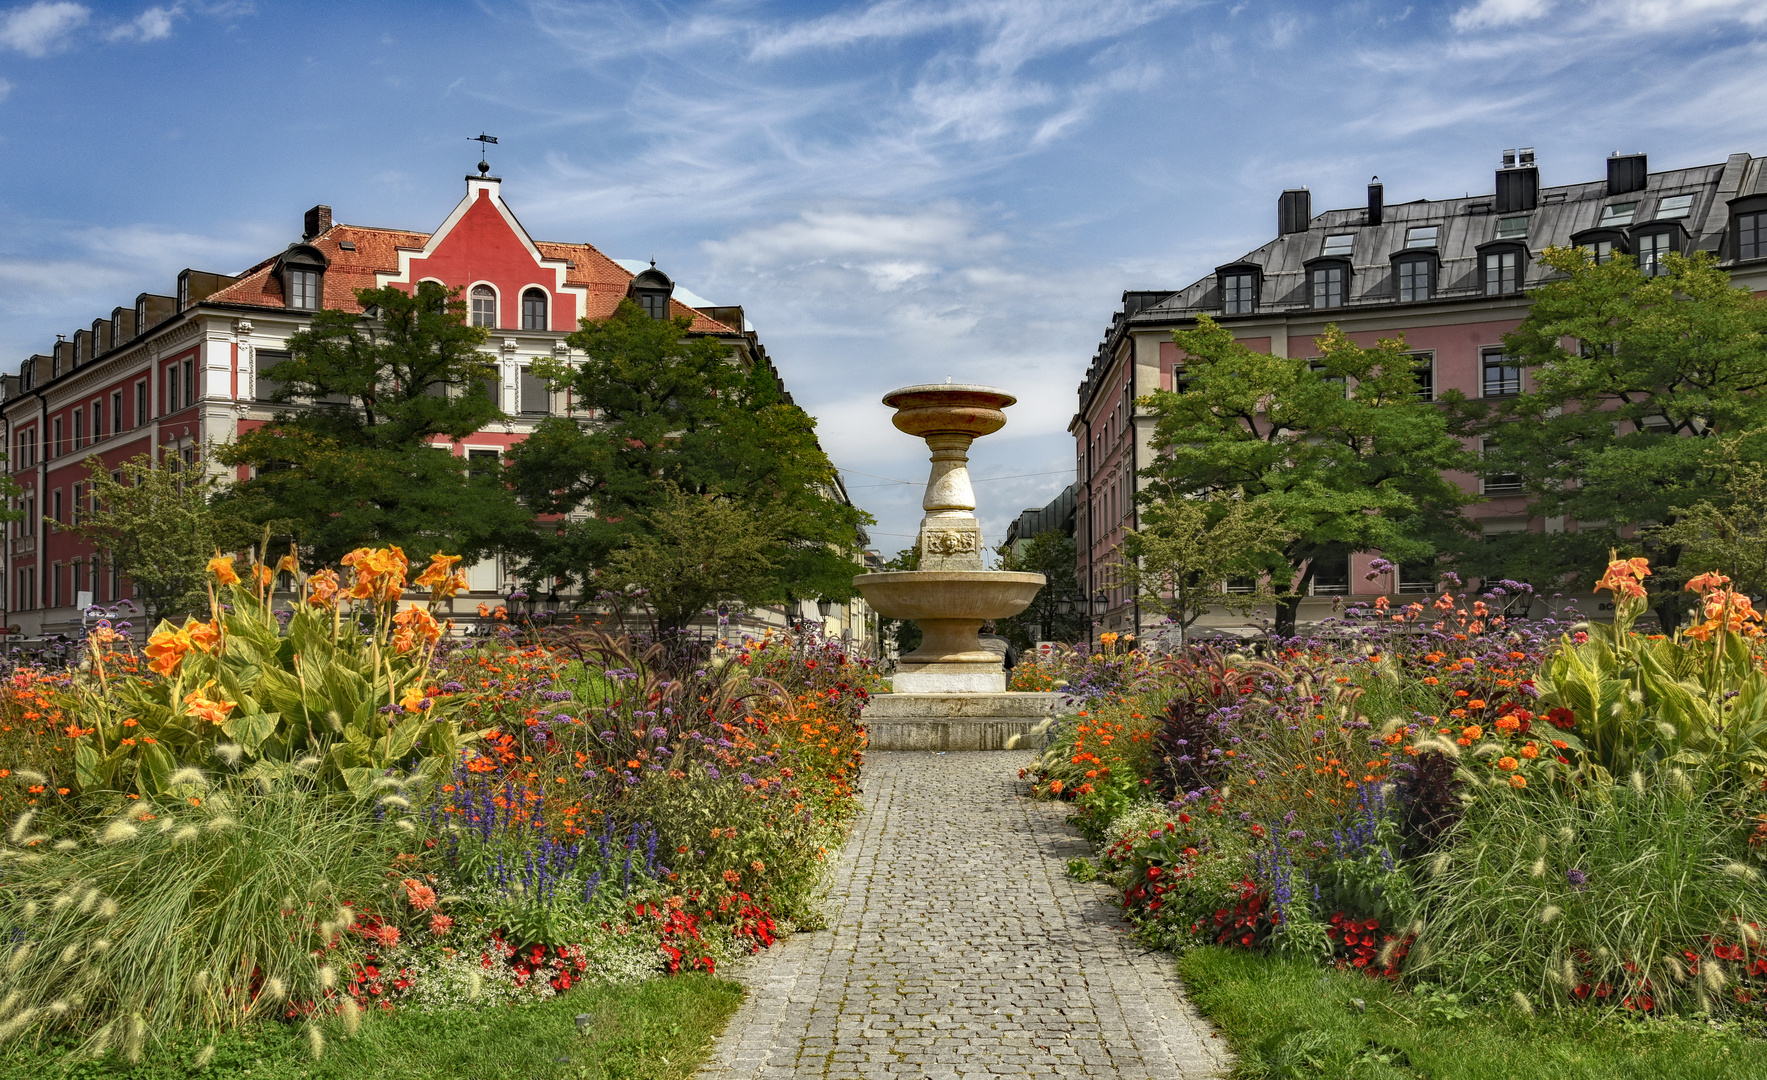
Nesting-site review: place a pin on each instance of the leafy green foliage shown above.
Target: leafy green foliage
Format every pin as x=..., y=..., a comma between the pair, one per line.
x=1343, y=468
x=695, y=551
x=1726, y=533
x=1052, y=555
x=158, y=526
x=351, y=464
x=1614, y=430
x=674, y=411
x=1187, y=549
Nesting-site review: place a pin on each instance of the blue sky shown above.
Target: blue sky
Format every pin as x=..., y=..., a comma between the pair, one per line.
x=896, y=191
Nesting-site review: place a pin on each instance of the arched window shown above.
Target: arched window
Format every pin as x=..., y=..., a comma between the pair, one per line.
x=534, y=310
x=484, y=306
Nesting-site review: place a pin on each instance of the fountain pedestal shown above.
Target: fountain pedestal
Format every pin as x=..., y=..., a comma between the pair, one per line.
x=950, y=693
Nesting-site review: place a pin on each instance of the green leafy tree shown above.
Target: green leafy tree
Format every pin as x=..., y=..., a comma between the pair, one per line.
x=159, y=526
x=1340, y=453
x=904, y=634
x=1727, y=535
x=1186, y=550
x=1058, y=612
x=355, y=465
x=694, y=552
x=1631, y=378
x=673, y=411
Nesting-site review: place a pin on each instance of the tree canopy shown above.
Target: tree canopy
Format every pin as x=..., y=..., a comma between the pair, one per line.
x=1630, y=381
x=350, y=460
x=1059, y=611
x=1187, y=549
x=1339, y=453
x=664, y=413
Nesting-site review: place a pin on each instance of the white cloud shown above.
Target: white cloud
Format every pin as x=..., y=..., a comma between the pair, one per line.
x=43, y=27
x=5, y=89
x=151, y=25
x=1488, y=13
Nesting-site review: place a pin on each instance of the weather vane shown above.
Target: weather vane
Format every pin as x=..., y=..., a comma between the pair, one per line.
x=484, y=141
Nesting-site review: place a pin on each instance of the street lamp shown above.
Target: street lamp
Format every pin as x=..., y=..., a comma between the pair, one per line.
x=1101, y=603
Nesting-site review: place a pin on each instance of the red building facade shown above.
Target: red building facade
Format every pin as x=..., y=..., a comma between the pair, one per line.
x=173, y=373
x=1450, y=274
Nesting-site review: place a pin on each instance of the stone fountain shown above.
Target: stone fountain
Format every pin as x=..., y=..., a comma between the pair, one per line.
x=950, y=693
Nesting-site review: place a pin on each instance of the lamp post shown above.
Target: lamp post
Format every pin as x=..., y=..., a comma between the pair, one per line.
x=1101, y=603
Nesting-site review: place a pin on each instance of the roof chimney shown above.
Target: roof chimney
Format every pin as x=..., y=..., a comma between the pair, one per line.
x=1294, y=211
x=1627, y=172
x=1377, y=201
x=1518, y=182
x=318, y=220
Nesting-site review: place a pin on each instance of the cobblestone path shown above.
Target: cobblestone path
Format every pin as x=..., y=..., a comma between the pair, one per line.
x=958, y=946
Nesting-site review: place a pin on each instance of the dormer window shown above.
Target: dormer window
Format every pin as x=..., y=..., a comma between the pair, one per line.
x=484, y=306
x=1615, y=214
x=1650, y=249
x=302, y=269
x=1502, y=267
x=1329, y=283
x=1512, y=228
x=534, y=310
x=1239, y=287
x=1421, y=236
x=1339, y=245
x=652, y=289
x=1416, y=277
x=1751, y=235
x=183, y=290
x=141, y=315
x=1604, y=244
x=1675, y=206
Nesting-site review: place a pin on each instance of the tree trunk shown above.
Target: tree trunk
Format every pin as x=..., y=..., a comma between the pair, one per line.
x=1287, y=608
x=1670, y=609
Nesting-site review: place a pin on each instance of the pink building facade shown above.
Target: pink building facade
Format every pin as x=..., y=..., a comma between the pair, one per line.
x=1451, y=275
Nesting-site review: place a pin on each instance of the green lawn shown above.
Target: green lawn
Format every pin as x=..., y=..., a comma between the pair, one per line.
x=1287, y=1018
x=658, y=1030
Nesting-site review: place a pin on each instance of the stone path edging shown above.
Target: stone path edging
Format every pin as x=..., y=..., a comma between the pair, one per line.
x=958, y=946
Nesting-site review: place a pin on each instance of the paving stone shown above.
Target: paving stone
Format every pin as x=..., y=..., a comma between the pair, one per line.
x=957, y=946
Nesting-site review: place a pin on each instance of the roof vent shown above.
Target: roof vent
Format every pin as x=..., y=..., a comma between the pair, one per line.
x=1376, y=200
x=317, y=221
x=1294, y=211
x=1627, y=172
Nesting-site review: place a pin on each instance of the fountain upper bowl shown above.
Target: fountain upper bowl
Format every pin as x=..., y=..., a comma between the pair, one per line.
x=949, y=409
x=949, y=594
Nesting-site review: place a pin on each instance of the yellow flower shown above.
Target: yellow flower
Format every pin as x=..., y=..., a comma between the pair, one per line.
x=222, y=567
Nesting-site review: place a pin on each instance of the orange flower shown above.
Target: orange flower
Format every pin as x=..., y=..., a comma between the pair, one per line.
x=214, y=712
x=1625, y=578
x=165, y=651
x=1707, y=581
x=204, y=636
x=414, y=622
x=222, y=567
x=1530, y=751
x=1507, y=724
x=1508, y=764
x=322, y=588
x=438, y=576
x=1518, y=781
x=287, y=565
x=422, y=897
x=263, y=575
x=1472, y=731
x=413, y=698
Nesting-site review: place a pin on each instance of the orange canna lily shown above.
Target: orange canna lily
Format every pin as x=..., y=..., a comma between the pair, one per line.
x=204, y=636
x=222, y=567
x=214, y=712
x=322, y=588
x=165, y=650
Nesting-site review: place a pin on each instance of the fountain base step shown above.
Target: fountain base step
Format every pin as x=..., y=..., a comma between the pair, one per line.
x=910, y=721
x=988, y=677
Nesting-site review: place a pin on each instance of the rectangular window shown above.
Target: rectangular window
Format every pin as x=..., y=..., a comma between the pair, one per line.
x=266, y=388
x=1414, y=279
x=481, y=463
x=1502, y=375
x=484, y=306
x=171, y=378
x=1604, y=251
x=1512, y=228
x=533, y=310
x=141, y=403
x=1339, y=244
x=1424, y=370
x=55, y=574
x=1331, y=577
x=79, y=428
x=1502, y=273
x=116, y=412
x=1417, y=577
x=73, y=509
x=1751, y=236
x=1500, y=483
x=1675, y=206
x=1421, y=236
x=1651, y=249
x=536, y=397
x=190, y=382
x=55, y=506
x=1618, y=213
x=55, y=444
x=98, y=420
x=1238, y=294
x=1328, y=286
x=303, y=288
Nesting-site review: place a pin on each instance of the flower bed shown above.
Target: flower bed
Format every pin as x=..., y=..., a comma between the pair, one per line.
x=1537, y=815
x=308, y=811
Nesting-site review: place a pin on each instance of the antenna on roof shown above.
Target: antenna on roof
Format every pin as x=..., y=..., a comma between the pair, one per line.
x=485, y=142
